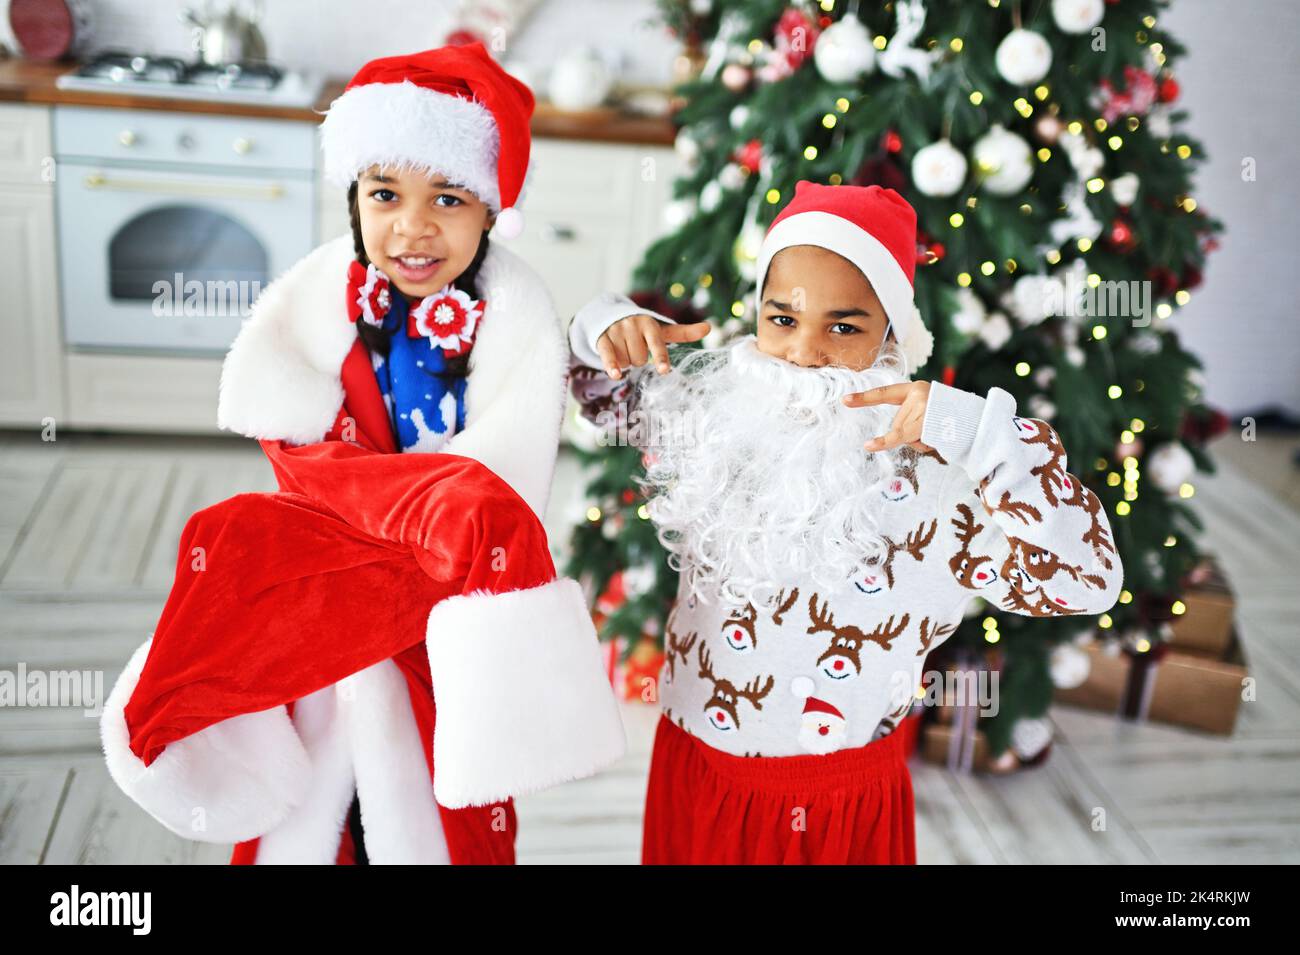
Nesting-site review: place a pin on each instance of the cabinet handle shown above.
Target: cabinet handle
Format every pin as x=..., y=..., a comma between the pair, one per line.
x=242, y=145
x=271, y=190
x=126, y=137
x=554, y=232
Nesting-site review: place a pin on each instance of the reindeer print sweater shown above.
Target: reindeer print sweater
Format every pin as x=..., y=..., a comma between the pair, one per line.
x=991, y=512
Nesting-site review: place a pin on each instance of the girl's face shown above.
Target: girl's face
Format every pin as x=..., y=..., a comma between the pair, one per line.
x=421, y=231
x=818, y=309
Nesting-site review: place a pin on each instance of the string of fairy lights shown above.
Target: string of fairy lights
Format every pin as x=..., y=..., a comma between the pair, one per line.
x=1112, y=136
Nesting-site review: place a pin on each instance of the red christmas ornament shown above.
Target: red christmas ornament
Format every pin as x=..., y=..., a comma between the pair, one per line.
x=795, y=37
x=1135, y=99
x=1202, y=425
x=893, y=141
x=750, y=155
x=629, y=496
x=928, y=252
x=1122, y=238
x=949, y=375
x=881, y=170
x=1164, y=279
x=1192, y=277
x=1168, y=90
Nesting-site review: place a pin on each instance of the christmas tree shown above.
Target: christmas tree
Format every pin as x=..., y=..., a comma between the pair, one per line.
x=1040, y=144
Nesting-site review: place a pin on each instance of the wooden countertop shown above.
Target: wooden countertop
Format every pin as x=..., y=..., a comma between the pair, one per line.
x=29, y=81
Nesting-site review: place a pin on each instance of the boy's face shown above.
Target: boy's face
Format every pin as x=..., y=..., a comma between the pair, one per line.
x=818, y=309
x=420, y=231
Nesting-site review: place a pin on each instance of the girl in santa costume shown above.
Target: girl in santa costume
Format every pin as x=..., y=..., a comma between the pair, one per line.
x=831, y=520
x=368, y=664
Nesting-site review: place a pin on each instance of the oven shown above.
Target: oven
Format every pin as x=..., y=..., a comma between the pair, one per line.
x=169, y=224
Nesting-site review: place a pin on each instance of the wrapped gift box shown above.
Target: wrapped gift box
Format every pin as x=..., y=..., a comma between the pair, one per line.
x=1206, y=625
x=942, y=744
x=1167, y=685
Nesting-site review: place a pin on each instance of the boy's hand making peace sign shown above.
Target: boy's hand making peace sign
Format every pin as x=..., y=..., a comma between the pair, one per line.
x=637, y=338
x=913, y=396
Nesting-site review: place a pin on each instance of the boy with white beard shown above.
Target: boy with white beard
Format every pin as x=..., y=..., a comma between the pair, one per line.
x=827, y=542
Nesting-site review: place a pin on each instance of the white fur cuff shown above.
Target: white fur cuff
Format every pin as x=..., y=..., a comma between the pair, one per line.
x=522, y=698
x=229, y=782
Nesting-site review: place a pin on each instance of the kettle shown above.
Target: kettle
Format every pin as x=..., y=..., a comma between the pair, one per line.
x=228, y=36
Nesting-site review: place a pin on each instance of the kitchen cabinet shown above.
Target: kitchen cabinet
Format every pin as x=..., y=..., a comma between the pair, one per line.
x=591, y=213
x=31, y=358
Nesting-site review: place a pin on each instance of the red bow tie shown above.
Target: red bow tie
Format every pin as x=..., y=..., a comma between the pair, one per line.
x=449, y=318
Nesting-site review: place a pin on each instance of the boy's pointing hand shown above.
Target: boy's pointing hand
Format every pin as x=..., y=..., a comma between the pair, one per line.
x=637, y=338
x=912, y=396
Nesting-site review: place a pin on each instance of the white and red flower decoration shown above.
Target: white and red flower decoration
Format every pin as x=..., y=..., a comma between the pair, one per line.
x=369, y=296
x=448, y=318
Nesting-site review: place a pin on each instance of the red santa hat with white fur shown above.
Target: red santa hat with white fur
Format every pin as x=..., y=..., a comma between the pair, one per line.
x=452, y=110
x=875, y=229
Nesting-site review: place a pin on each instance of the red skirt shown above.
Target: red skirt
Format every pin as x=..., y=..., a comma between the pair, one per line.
x=707, y=807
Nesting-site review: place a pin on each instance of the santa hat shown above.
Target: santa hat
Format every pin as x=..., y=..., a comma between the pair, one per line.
x=814, y=705
x=802, y=687
x=452, y=110
x=875, y=229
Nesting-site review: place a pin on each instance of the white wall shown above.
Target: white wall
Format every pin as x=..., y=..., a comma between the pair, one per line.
x=1239, y=82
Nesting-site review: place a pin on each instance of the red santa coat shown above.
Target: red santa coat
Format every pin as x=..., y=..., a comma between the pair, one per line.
x=296, y=663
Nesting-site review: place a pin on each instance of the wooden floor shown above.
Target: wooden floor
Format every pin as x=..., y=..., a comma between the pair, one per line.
x=88, y=531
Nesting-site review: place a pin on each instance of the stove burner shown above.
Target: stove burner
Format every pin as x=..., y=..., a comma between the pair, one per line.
x=126, y=68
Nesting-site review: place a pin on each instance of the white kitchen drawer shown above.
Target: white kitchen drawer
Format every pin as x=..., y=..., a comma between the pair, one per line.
x=141, y=135
x=594, y=259
x=25, y=154
x=143, y=393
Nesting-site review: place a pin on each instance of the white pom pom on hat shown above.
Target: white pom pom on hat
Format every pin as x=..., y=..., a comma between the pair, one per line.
x=509, y=223
x=452, y=110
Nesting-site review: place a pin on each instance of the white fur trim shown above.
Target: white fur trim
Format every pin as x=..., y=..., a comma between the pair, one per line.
x=312, y=832
x=839, y=235
x=523, y=699
x=399, y=816
x=408, y=126
x=280, y=379
x=518, y=377
x=363, y=739
x=229, y=782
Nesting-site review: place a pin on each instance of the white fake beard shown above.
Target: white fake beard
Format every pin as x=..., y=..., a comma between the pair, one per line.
x=758, y=474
